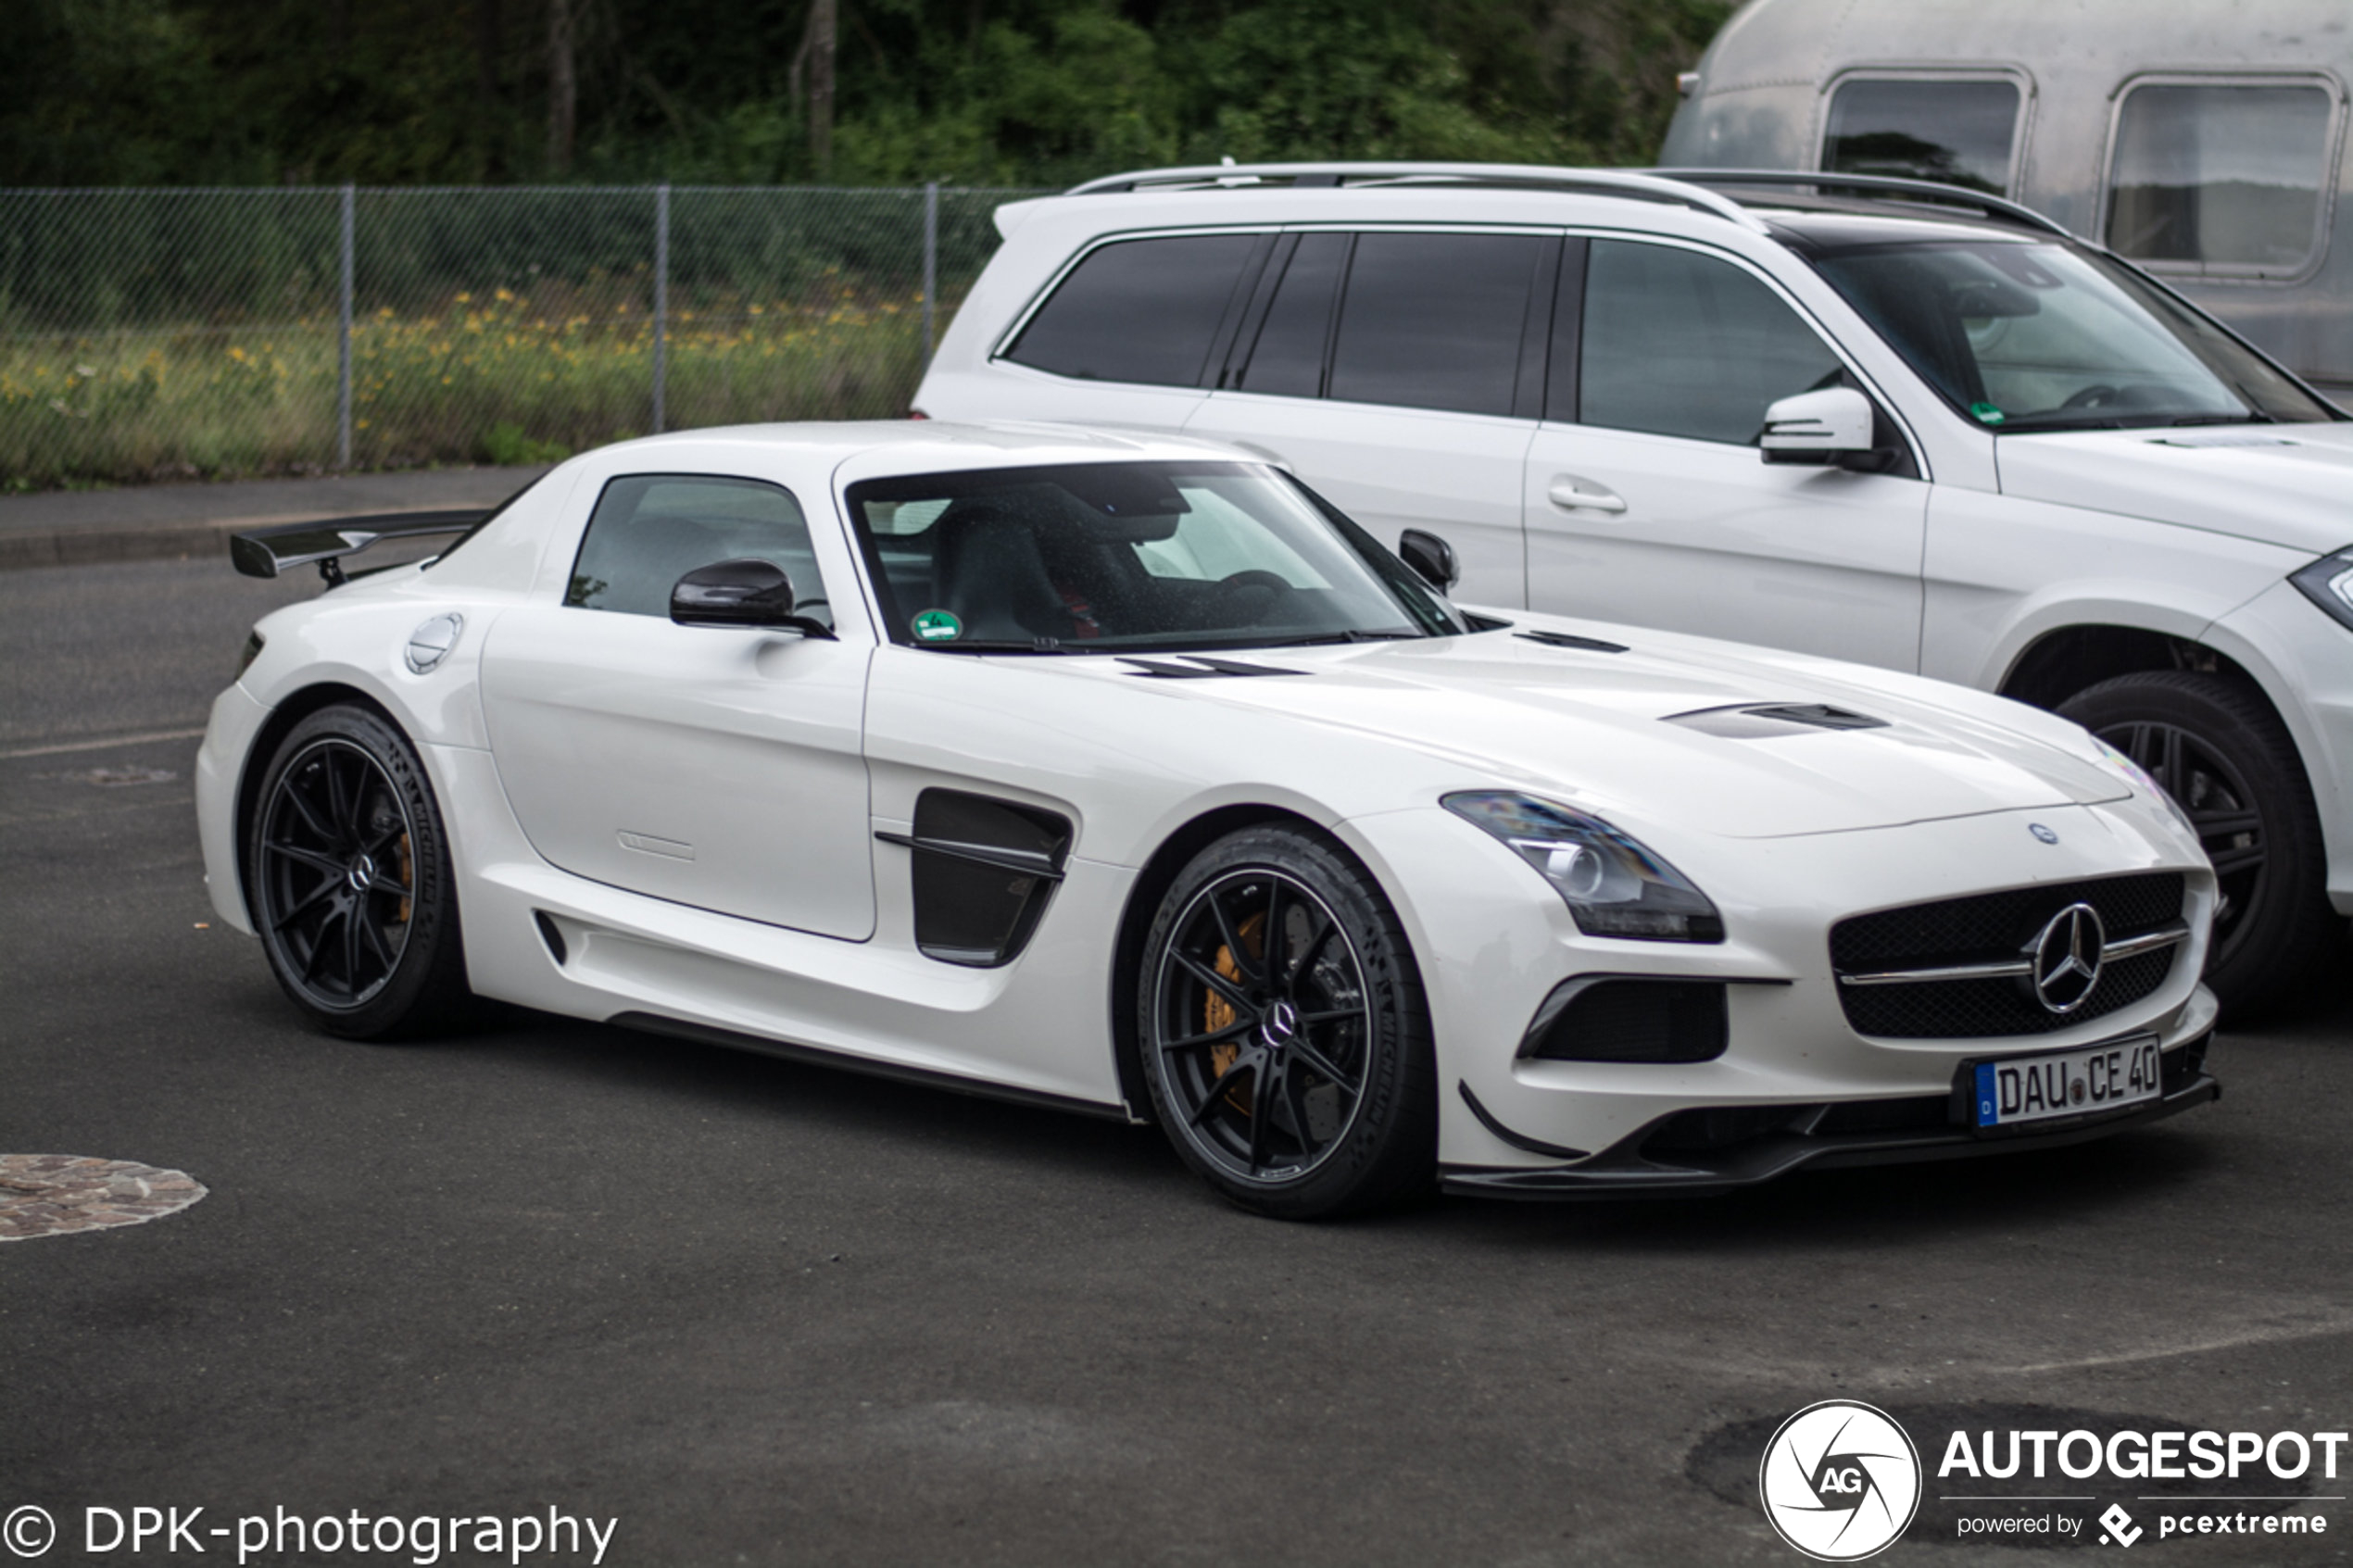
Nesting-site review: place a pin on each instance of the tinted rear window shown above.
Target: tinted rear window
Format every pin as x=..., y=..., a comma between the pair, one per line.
x=1138, y=310
x=1435, y=321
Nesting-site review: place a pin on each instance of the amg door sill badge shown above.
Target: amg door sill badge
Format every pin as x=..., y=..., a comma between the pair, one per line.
x=647, y=844
x=1517, y=1140
x=1569, y=640
x=1201, y=667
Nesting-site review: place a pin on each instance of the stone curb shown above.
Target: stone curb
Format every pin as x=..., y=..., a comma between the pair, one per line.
x=21, y=549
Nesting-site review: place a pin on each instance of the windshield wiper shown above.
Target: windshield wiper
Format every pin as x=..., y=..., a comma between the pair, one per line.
x=1353, y=634
x=997, y=644
x=2252, y=417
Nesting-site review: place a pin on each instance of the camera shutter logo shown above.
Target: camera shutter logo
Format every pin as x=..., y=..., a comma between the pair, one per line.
x=1841, y=1481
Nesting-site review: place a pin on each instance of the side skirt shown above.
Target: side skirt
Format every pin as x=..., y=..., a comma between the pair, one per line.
x=709, y=1034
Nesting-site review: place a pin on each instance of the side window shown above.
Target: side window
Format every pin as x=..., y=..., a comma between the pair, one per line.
x=1680, y=344
x=1139, y=310
x=1435, y=321
x=1956, y=131
x=1287, y=358
x=2220, y=178
x=650, y=529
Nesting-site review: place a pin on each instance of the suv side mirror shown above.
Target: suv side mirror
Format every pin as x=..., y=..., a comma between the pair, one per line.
x=741, y=593
x=1817, y=427
x=1432, y=558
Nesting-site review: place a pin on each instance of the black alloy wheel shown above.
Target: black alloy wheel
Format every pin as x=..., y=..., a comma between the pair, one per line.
x=2215, y=746
x=1286, y=1041
x=347, y=874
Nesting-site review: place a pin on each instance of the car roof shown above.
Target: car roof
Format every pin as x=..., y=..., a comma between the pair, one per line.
x=913, y=445
x=1677, y=200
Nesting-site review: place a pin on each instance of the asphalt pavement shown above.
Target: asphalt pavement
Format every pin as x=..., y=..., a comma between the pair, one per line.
x=764, y=1314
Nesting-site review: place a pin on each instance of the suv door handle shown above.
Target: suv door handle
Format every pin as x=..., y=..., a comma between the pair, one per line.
x=1572, y=494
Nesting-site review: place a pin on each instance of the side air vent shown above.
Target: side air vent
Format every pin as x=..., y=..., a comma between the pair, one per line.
x=1764, y=721
x=984, y=869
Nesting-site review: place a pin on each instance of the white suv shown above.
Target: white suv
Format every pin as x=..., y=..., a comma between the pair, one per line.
x=1870, y=418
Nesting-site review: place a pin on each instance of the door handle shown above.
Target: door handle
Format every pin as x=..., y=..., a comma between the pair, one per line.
x=1572, y=494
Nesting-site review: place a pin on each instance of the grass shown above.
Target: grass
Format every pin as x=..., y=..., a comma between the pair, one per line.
x=499, y=378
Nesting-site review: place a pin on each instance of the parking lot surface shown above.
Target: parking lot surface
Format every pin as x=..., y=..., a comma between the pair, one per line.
x=765, y=1314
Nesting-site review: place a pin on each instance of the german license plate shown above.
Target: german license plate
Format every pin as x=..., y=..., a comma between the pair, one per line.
x=2076, y=1082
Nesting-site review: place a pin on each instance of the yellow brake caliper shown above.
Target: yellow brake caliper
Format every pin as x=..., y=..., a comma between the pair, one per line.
x=1218, y=1013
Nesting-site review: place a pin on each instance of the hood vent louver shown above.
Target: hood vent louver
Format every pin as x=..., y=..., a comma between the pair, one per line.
x=1200, y=667
x=1570, y=640
x=1765, y=721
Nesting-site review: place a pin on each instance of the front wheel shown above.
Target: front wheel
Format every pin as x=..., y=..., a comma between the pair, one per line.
x=1286, y=1040
x=2219, y=750
x=348, y=877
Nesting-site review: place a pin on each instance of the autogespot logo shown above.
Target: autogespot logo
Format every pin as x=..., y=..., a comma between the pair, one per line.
x=1841, y=1481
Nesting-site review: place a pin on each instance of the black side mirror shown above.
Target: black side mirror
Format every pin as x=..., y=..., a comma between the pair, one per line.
x=1432, y=558
x=741, y=593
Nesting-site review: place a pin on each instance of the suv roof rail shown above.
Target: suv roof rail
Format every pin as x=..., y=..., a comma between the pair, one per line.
x=1643, y=185
x=1996, y=207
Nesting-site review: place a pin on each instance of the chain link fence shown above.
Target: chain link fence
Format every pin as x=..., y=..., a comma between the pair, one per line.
x=176, y=333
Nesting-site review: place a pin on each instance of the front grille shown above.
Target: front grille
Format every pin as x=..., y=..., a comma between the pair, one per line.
x=1991, y=927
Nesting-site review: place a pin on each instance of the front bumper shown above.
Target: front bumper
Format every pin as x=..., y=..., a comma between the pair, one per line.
x=1811, y=1137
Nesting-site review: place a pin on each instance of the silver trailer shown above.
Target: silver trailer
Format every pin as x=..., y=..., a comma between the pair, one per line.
x=2202, y=139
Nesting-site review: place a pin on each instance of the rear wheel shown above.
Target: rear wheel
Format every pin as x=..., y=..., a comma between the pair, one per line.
x=2219, y=751
x=1286, y=1041
x=348, y=874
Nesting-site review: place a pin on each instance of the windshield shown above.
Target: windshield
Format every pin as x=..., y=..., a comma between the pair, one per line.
x=2043, y=336
x=1128, y=556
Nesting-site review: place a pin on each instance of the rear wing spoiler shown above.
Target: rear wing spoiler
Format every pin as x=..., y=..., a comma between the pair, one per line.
x=266, y=552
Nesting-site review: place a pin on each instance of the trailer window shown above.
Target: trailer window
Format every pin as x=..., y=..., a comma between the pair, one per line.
x=1956, y=131
x=2219, y=177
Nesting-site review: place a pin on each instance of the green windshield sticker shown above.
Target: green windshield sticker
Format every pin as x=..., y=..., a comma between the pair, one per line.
x=1987, y=413
x=938, y=626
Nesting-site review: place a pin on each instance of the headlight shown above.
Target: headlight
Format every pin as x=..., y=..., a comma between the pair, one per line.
x=2329, y=584
x=1614, y=885
x=2143, y=783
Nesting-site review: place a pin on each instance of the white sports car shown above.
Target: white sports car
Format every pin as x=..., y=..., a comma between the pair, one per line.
x=1123, y=774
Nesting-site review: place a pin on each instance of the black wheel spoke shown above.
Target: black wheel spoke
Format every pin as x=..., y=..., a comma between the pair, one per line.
x=319, y=943
x=1234, y=995
x=1295, y=1102
x=1323, y=1067
x=311, y=819
x=1305, y=962
x=1329, y=1015
x=2225, y=824
x=338, y=815
x=312, y=857
x=2228, y=862
x=354, y=918
x=372, y=938
x=1262, y=1110
x=1233, y=1031
x=296, y=911
x=1232, y=940
x=1272, y=937
x=1249, y=1061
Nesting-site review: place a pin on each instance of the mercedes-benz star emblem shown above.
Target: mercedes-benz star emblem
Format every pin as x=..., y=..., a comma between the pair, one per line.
x=2066, y=955
x=2042, y=832
x=1282, y=1022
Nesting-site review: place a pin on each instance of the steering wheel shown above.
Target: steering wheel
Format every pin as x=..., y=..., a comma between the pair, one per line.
x=1273, y=584
x=2099, y=394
